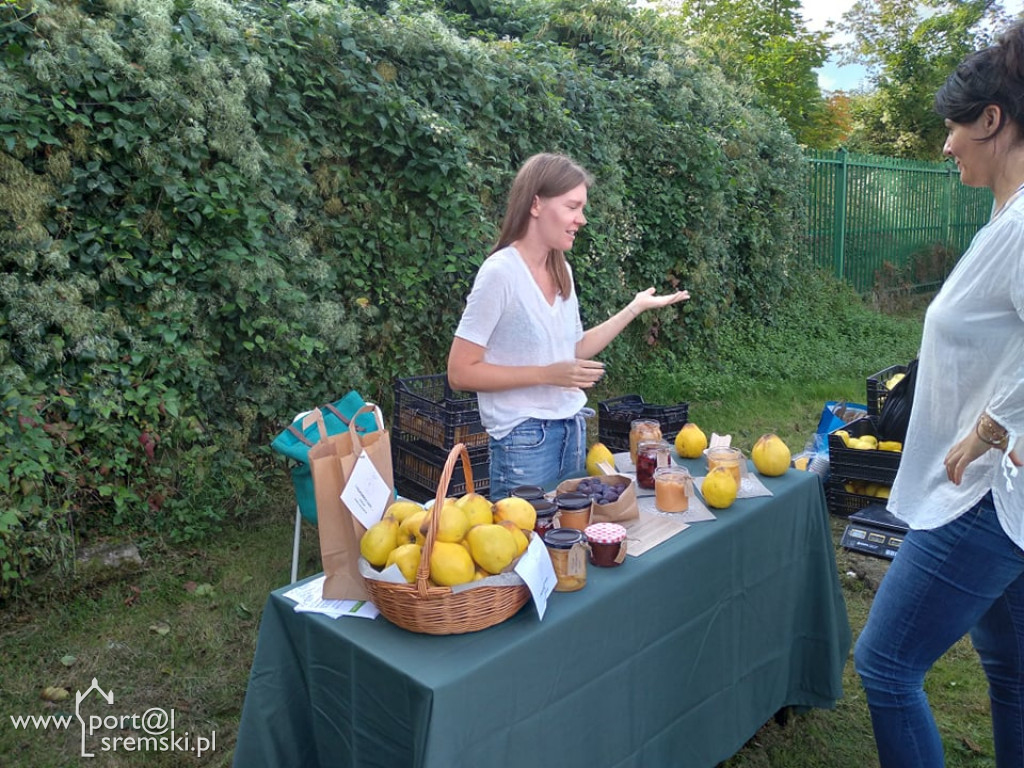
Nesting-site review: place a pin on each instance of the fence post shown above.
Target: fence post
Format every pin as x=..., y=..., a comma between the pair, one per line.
x=948, y=207
x=839, y=216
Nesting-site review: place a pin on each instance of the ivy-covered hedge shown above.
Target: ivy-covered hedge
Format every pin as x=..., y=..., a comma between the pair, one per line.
x=213, y=215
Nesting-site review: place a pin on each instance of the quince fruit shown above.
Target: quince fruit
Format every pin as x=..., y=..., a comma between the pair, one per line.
x=519, y=511
x=770, y=455
x=477, y=507
x=409, y=531
x=407, y=557
x=518, y=534
x=450, y=564
x=719, y=488
x=691, y=441
x=452, y=523
x=599, y=454
x=492, y=547
x=378, y=541
x=402, y=508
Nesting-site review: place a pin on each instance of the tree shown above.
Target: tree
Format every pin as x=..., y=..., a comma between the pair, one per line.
x=767, y=43
x=909, y=48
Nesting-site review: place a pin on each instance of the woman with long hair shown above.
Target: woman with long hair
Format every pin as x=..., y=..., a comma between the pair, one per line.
x=520, y=344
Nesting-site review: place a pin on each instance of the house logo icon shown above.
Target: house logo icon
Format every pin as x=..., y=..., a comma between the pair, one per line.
x=79, y=698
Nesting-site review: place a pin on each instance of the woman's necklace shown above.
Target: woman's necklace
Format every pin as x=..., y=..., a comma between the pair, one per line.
x=1009, y=201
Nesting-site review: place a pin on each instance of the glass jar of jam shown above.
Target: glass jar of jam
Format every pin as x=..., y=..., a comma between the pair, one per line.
x=607, y=544
x=546, y=510
x=726, y=457
x=673, y=487
x=650, y=455
x=573, y=510
x=640, y=430
x=567, y=549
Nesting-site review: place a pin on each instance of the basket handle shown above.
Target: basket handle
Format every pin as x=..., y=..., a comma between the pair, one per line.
x=458, y=451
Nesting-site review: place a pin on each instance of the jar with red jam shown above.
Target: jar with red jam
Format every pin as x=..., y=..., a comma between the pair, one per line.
x=607, y=544
x=640, y=430
x=650, y=455
x=546, y=510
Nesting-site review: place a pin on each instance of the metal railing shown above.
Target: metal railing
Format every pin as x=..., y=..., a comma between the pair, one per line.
x=871, y=218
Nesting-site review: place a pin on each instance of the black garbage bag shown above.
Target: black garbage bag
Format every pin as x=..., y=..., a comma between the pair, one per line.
x=895, y=413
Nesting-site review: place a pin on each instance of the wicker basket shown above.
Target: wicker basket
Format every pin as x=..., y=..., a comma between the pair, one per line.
x=432, y=610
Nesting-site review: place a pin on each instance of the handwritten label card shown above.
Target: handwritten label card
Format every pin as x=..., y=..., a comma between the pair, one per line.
x=366, y=494
x=536, y=570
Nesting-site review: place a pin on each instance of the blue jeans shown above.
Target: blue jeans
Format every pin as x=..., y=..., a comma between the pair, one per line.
x=965, y=576
x=540, y=452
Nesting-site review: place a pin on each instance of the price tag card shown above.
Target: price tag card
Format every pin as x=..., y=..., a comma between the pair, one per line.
x=366, y=494
x=536, y=570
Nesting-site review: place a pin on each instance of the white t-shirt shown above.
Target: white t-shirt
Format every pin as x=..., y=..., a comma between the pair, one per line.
x=506, y=313
x=972, y=359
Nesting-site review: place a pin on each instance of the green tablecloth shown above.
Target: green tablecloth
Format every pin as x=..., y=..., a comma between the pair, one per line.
x=675, y=658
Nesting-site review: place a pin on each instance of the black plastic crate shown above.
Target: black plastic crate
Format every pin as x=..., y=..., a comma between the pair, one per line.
x=876, y=389
x=427, y=409
x=422, y=463
x=842, y=503
x=615, y=416
x=872, y=465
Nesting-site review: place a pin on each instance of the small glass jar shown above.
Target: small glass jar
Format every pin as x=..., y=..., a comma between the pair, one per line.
x=573, y=510
x=640, y=430
x=726, y=457
x=567, y=549
x=546, y=510
x=607, y=544
x=673, y=487
x=528, y=492
x=650, y=455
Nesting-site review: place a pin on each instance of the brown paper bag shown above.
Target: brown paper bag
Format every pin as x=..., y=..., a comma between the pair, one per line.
x=625, y=508
x=331, y=462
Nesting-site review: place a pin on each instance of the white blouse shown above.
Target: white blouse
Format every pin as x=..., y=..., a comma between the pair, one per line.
x=972, y=359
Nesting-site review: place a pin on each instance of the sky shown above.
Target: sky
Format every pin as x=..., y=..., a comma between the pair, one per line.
x=832, y=77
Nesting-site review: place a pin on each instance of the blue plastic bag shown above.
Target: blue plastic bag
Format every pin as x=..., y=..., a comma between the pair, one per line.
x=295, y=443
x=834, y=415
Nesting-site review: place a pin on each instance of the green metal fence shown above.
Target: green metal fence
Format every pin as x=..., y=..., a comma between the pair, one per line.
x=877, y=220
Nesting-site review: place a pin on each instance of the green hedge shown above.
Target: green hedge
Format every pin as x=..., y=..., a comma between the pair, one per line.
x=213, y=215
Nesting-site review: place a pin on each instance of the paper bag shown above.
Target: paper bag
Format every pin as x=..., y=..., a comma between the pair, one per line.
x=625, y=508
x=331, y=462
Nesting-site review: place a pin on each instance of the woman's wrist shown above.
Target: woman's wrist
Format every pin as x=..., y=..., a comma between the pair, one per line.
x=990, y=432
x=632, y=312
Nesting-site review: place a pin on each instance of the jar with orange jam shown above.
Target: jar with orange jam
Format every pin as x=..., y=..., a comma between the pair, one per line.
x=567, y=548
x=673, y=487
x=640, y=430
x=731, y=458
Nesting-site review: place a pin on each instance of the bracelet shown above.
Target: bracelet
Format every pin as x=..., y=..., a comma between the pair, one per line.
x=631, y=310
x=989, y=432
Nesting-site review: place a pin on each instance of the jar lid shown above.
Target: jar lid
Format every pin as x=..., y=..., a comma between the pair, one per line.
x=724, y=452
x=605, y=533
x=528, y=492
x=563, y=538
x=544, y=507
x=674, y=471
x=572, y=500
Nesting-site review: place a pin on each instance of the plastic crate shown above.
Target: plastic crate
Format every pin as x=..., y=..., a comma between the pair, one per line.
x=876, y=389
x=841, y=502
x=420, y=463
x=427, y=409
x=616, y=415
x=874, y=466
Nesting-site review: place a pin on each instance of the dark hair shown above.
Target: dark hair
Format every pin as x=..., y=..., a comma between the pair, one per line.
x=993, y=75
x=545, y=175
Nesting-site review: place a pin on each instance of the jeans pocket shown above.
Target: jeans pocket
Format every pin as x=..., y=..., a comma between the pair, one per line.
x=530, y=434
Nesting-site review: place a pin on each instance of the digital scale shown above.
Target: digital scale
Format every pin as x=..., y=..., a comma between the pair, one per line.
x=874, y=531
